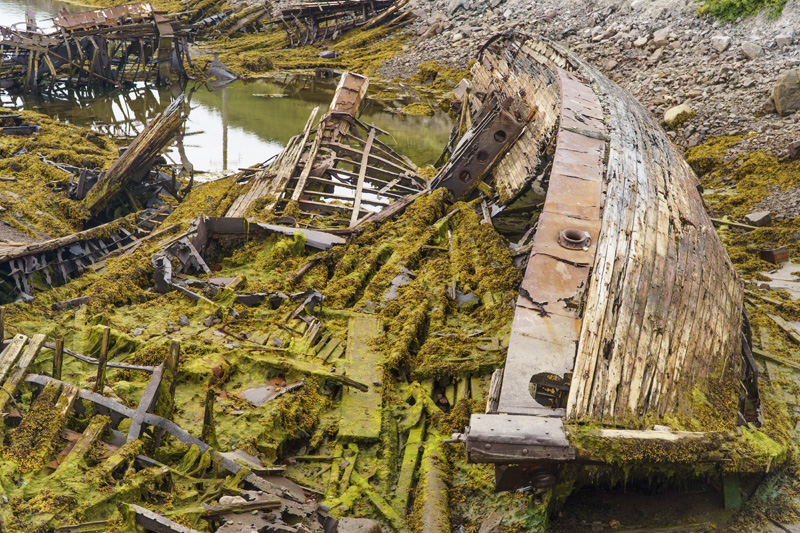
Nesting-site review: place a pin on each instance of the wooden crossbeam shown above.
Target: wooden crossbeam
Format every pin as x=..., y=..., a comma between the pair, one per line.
x=362, y=173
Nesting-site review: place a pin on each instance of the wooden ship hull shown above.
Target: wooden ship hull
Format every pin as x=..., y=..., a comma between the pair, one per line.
x=630, y=308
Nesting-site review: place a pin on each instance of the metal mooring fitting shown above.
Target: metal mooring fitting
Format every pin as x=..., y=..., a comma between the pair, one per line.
x=574, y=239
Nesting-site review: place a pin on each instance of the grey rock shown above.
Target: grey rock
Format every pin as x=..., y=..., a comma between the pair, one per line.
x=328, y=54
x=453, y=6
x=137, y=332
x=783, y=39
x=232, y=500
x=759, y=218
x=720, y=43
x=183, y=320
x=751, y=50
x=209, y=321
x=786, y=92
x=661, y=37
x=358, y=525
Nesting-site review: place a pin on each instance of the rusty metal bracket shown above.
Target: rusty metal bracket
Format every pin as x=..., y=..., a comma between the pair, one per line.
x=479, y=150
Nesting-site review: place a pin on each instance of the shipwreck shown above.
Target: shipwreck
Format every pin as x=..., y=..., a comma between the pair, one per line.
x=337, y=332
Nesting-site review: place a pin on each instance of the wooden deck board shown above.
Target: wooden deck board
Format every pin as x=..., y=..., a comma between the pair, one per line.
x=362, y=411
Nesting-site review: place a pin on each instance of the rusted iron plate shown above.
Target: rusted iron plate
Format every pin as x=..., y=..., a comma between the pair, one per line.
x=574, y=197
x=508, y=438
x=101, y=17
x=546, y=239
x=552, y=283
x=538, y=345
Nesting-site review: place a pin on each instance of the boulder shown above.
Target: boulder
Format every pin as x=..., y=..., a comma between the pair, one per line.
x=675, y=116
x=720, y=43
x=358, y=525
x=783, y=39
x=751, y=50
x=786, y=92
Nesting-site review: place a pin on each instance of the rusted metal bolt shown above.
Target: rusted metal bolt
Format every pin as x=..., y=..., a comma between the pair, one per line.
x=574, y=239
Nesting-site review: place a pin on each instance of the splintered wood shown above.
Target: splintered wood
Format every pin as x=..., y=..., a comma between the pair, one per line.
x=109, y=46
x=331, y=169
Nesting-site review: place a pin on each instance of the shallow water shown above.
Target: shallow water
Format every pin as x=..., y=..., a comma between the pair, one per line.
x=231, y=128
x=227, y=128
x=13, y=11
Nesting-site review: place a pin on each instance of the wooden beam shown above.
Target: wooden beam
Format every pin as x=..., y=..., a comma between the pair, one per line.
x=9, y=355
x=100, y=380
x=146, y=403
x=18, y=372
x=362, y=173
x=309, y=165
x=155, y=522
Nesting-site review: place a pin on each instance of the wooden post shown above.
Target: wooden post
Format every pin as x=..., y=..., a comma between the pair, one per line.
x=58, y=356
x=2, y=323
x=100, y=382
x=165, y=402
x=209, y=432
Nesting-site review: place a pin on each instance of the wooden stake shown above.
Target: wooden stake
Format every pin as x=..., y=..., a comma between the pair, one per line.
x=2, y=323
x=58, y=356
x=100, y=382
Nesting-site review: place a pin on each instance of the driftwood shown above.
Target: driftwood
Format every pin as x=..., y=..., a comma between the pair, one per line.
x=138, y=158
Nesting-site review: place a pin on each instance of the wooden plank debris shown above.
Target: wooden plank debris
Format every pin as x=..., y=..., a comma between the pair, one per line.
x=361, y=410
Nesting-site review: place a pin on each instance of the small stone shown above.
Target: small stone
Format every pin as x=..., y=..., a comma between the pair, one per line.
x=254, y=513
x=694, y=93
x=358, y=525
x=209, y=321
x=137, y=332
x=610, y=65
x=641, y=41
x=328, y=54
x=720, y=43
x=232, y=500
x=751, y=50
x=661, y=37
x=759, y=218
x=183, y=320
x=661, y=428
x=675, y=116
x=783, y=39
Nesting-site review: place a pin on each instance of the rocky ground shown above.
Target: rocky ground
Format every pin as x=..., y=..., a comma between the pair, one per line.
x=662, y=52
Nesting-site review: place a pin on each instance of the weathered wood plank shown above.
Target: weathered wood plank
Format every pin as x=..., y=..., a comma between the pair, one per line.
x=20, y=369
x=361, y=410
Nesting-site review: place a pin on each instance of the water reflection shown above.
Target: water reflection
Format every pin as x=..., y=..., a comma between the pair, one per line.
x=13, y=11
x=232, y=127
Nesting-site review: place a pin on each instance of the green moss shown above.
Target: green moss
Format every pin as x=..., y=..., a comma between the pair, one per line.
x=730, y=10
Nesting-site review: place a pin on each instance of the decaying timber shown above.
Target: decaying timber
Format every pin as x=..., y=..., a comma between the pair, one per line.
x=338, y=167
x=307, y=22
x=345, y=314
x=629, y=305
x=108, y=46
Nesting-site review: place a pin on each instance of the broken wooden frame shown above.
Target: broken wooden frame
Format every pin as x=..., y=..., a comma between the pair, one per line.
x=107, y=46
x=629, y=300
x=56, y=261
x=310, y=22
x=340, y=169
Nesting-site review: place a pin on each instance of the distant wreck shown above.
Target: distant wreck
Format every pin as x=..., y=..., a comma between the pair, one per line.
x=297, y=344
